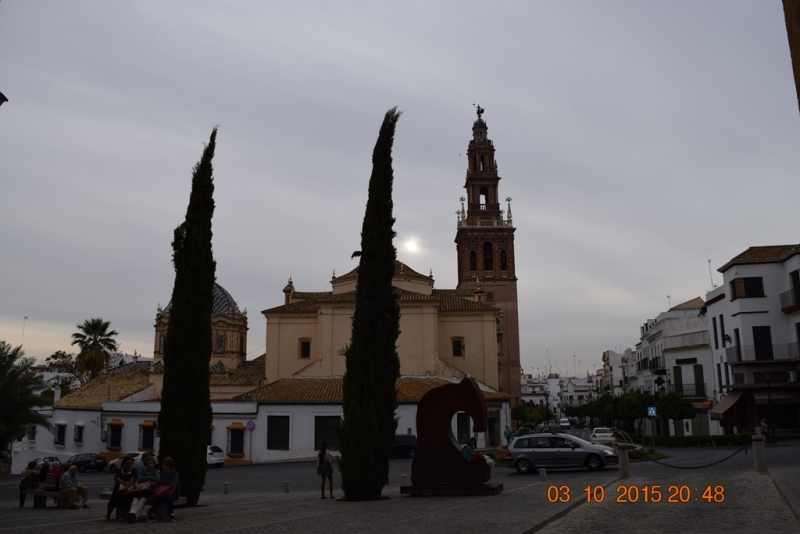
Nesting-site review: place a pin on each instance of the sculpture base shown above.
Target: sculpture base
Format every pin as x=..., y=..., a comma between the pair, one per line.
x=452, y=490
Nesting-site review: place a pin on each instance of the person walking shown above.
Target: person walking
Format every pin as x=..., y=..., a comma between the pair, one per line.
x=508, y=434
x=325, y=468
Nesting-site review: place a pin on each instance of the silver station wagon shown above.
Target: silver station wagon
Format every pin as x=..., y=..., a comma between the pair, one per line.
x=531, y=452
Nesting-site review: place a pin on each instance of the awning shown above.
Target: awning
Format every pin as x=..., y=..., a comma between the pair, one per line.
x=777, y=396
x=725, y=404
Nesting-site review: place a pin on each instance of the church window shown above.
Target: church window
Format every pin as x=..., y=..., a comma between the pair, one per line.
x=490, y=296
x=458, y=346
x=488, y=257
x=484, y=195
x=483, y=163
x=503, y=260
x=220, y=346
x=161, y=344
x=305, y=348
x=473, y=261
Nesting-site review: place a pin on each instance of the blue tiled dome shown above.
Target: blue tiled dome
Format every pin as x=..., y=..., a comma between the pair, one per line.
x=223, y=302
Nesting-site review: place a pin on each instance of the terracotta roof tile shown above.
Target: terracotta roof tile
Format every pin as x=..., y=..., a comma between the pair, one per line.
x=113, y=386
x=247, y=373
x=694, y=304
x=309, y=295
x=455, y=292
x=400, y=269
x=772, y=253
x=328, y=390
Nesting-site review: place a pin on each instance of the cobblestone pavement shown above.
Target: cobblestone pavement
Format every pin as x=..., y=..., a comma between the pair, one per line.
x=752, y=504
x=257, y=502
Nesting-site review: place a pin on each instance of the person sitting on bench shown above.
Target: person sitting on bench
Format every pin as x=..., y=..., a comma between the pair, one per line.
x=71, y=488
x=167, y=491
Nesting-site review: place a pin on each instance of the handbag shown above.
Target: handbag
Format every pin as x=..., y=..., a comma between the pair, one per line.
x=163, y=491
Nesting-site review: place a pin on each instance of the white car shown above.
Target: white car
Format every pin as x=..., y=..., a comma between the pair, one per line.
x=603, y=436
x=564, y=423
x=115, y=465
x=215, y=456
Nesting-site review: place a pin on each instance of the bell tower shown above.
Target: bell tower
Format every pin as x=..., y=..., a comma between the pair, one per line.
x=485, y=250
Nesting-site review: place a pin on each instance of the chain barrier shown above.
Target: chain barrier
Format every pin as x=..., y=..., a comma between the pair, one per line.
x=734, y=453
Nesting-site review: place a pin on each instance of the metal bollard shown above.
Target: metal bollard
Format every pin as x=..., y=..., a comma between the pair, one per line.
x=286, y=487
x=226, y=488
x=405, y=478
x=624, y=465
x=542, y=474
x=759, y=464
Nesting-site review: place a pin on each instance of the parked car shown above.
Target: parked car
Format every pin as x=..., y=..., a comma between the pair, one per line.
x=405, y=446
x=215, y=456
x=40, y=461
x=564, y=424
x=528, y=453
x=88, y=461
x=115, y=465
x=603, y=435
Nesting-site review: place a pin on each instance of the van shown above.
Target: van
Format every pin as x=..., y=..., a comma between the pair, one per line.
x=564, y=423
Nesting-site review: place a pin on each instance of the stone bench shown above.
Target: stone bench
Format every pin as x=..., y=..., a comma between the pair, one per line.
x=161, y=513
x=40, y=497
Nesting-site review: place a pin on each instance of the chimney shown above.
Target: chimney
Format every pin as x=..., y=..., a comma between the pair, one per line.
x=135, y=357
x=56, y=394
x=287, y=291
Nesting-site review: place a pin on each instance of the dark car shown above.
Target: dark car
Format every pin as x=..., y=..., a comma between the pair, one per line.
x=89, y=461
x=405, y=446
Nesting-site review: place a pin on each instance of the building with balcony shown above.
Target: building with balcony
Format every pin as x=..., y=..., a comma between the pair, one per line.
x=755, y=328
x=673, y=355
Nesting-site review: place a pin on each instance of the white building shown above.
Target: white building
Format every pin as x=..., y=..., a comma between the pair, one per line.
x=755, y=329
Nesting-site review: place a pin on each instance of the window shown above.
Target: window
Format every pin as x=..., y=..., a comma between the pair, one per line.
x=147, y=434
x=31, y=432
x=278, y=432
x=326, y=428
x=236, y=440
x=161, y=343
x=220, y=345
x=490, y=296
x=484, y=192
x=458, y=346
x=488, y=257
x=77, y=434
x=722, y=329
x=473, y=261
x=305, y=348
x=716, y=339
x=747, y=287
x=115, y=436
x=762, y=339
x=503, y=260
x=59, y=437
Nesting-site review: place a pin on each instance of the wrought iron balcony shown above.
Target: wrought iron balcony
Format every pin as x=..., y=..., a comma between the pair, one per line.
x=688, y=390
x=790, y=301
x=762, y=353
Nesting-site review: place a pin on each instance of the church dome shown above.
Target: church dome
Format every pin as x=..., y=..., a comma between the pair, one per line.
x=223, y=302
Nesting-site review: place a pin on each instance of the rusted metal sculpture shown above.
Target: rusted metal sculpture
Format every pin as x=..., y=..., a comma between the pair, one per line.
x=439, y=466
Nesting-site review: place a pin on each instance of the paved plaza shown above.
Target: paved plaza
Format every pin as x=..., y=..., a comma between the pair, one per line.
x=257, y=502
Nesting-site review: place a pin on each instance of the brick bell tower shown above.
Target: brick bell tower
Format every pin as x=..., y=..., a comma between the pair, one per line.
x=485, y=248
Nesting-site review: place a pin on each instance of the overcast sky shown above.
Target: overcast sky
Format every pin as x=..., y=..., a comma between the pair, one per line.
x=637, y=139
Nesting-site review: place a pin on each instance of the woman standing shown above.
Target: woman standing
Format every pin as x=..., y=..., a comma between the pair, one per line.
x=325, y=468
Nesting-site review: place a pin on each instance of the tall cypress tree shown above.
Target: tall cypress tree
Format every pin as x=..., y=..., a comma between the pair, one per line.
x=185, y=418
x=369, y=394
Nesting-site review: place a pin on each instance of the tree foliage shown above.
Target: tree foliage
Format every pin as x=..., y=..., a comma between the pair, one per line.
x=520, y=414
x=372, y=365
x=70, y=371
x=675, y=407
x=96, y=343
x=18, y=394
x=185, y=417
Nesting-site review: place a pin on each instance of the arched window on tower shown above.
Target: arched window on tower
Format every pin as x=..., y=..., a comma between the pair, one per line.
x=473, y=261
x=488, y=258
x=503, y=261
x=483, y=163
x=484, y=196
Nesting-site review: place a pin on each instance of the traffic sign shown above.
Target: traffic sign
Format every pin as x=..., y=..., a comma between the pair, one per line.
x=651, y=411
x=251, y=425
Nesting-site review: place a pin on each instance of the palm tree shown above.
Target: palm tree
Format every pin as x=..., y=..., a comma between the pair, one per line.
x=18, y=394
x=96, y=343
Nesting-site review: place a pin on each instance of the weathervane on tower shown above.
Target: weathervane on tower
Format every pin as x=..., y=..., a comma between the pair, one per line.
x=480, y=110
